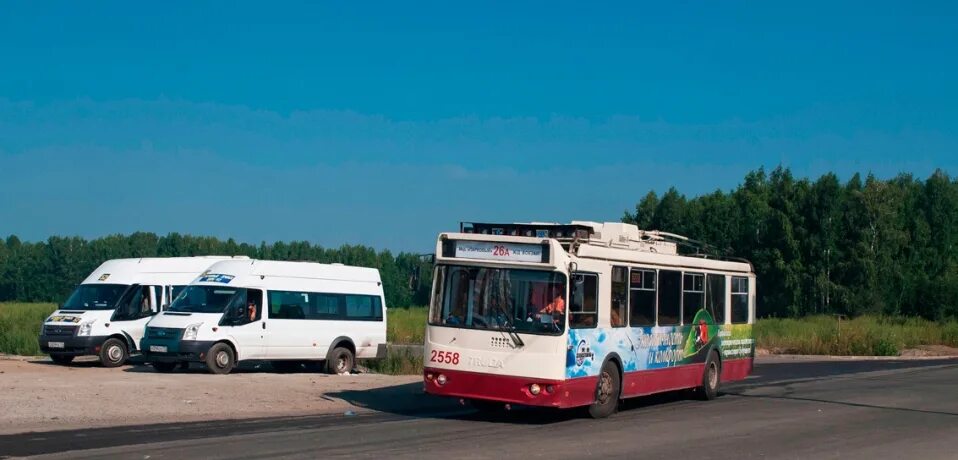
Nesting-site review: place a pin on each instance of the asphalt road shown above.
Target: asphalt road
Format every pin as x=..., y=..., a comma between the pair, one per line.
x=832, y=409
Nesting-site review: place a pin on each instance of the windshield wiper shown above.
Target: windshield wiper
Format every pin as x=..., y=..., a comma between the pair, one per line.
x=510, y=328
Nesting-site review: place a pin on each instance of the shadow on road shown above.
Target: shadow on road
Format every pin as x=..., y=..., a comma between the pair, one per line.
x=410, y=400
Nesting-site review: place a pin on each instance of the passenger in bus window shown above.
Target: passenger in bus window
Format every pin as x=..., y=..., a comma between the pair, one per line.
x=251, y=310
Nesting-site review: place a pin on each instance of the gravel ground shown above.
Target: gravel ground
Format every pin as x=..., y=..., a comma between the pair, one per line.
x=37, y=395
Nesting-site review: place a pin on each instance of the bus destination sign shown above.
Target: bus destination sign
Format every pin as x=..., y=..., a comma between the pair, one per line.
x=484, y=250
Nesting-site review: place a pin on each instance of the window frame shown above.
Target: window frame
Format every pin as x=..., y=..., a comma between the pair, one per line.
x=654, y=290
x=595, y=322
x=748, y=299
x=658, y=298
x=723, y=299
x=341, y=306
x=686, y=291
x=624, y=319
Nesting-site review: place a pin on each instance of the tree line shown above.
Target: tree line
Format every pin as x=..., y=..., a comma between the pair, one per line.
x=818, y=247
x=48, y=271
x=826, y=247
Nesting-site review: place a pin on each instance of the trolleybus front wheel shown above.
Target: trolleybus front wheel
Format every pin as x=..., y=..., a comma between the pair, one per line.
x=606, y=392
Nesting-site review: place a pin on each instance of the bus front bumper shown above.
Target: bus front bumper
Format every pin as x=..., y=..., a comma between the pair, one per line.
x=510, y=389
x=174, y=351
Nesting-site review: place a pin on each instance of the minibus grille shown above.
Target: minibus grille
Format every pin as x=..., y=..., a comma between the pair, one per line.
x=59, y=330
x=164, y=333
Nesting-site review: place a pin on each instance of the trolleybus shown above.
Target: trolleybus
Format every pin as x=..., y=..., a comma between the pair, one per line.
x=583, y=314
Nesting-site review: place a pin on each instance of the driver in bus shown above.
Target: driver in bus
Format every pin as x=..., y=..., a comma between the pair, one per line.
x=251, y=310
x=556, y=307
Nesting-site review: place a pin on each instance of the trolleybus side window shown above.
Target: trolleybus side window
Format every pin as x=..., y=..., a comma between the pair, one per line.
x=715, y=293
x=642, y=298
x=670, y=297
x=693, y=296
x=583, y=309
x=619, y=304
x=739, y=300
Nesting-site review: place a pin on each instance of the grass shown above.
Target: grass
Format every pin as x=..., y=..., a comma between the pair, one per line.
x=20, y=325
x=406, y=326
x=864, y=336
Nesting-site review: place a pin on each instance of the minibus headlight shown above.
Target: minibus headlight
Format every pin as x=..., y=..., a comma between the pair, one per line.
x=191, y=330
x=86, y=329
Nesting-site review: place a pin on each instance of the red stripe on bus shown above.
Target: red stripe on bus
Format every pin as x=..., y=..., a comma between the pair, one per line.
x=510, y=389
x=572, y=392
x=736, y=369
x=646, y=382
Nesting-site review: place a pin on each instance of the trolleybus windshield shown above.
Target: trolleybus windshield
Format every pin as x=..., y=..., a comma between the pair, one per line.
x=525, y=301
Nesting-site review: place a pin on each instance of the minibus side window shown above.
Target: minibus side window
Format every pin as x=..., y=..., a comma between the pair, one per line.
x=254, y=305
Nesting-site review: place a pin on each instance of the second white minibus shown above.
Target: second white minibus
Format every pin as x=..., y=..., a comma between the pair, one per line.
x=284, y=312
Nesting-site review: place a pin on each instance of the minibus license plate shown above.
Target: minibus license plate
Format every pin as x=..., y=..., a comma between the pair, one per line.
x=55, y=344
x=158, y=348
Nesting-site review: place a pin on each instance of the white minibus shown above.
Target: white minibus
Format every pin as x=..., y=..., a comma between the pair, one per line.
x=288, y=313
x=107, y=312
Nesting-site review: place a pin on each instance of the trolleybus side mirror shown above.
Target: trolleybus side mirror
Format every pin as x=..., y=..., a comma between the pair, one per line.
x=414, y=279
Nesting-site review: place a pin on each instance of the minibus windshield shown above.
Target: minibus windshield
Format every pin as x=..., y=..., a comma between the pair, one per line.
x=95, y=297
x=205, y=299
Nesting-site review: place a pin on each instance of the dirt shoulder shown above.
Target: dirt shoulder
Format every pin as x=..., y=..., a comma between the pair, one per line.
x=37, y=395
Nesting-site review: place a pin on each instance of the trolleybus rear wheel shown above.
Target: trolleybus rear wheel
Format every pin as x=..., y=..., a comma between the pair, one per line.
x=710, y=377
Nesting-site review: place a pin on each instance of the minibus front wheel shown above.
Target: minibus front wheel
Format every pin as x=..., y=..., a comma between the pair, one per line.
x=113, y=353
x=220, y=359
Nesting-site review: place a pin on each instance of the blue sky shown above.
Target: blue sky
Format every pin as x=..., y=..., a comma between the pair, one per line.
x=384, y=124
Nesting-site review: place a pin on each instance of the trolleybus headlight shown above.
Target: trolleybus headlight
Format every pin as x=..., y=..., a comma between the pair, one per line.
x=550, y=389
x=429, y=376
x=535, y=389
x=441, y=379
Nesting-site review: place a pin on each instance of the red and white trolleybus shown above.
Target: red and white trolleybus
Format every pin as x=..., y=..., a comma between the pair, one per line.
x=582, y=314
